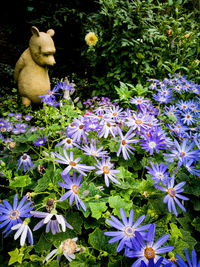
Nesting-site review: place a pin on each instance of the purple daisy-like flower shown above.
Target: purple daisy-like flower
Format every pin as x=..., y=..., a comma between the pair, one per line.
x=173, y=194
x=105, y=167
x=73, y=187
x=159, y=173
x=191, y=168
x=194, y=262
x=52, y=221
x=145, y=252
x=182, y=152
x=152, y=143
x=92, y=150
x=124, y=147
x=68, y=143
x=25, y=160
x=23, y=230
x=72, y=163
x=126, y=229
x=40, y=141
x=11, y=216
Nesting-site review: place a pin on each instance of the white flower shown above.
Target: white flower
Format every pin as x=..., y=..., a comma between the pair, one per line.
x=23, y=230
x=67, y=248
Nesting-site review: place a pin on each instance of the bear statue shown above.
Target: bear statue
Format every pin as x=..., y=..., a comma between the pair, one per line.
x=31, y=70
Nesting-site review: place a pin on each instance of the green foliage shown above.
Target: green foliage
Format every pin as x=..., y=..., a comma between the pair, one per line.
x=140, y=40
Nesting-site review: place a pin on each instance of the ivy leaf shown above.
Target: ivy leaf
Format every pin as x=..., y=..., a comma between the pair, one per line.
x=43, y=244
x=15, y=256
x=99, y=241
x=116, y=202
x=97, y=209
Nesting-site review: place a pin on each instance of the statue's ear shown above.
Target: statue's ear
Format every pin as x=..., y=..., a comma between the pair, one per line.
x=35, y=31
x=51, y=32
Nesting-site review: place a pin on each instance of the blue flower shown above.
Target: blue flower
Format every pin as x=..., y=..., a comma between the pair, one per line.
x=25, y=160
x=182, y=153
x=194, y=263
x=126, y=230
x=159, y=173
x=145, y=252
x=157, y=264
x=11, y=216
x=40, y=141
x=73, y=189
x=153, y=143
x=173, y=195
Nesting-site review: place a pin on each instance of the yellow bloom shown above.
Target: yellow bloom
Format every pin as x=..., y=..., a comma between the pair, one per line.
x=187, y=35
x=91, y=39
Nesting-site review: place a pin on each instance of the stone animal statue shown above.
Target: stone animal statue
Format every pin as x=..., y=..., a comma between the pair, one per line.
x=31, y=70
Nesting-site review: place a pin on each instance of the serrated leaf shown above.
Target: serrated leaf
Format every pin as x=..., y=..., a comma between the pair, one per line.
x=116, y=202
x=20, y=181
x=97, y=209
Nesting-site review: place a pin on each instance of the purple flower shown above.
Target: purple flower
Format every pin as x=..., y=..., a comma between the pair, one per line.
x=105, y=168
x=68, y=143
x=145, y=252
x=173, y=195
x=72, y=163
x=73, y=190
x=157, y=264
x=52, y=221
x=124, y=147
x=159, y=173
x=126, y=229
x=191, y=168
x=78, y=131
x=152, y=143
x=27, y=117
x=194, y=263
x=182, y=153
x=40, y=141
x=92, y=150
x=11, y=216
x=25, y=160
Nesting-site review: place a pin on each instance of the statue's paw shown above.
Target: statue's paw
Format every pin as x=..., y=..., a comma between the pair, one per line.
x=26, y=101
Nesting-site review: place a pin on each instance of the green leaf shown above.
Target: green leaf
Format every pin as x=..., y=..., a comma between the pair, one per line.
x=97, y=209
x=15, y=256
x=196, y=224
x=43, y=244
x=50, y=176
x=175, y=232
x=20, y=181
x=99, y=241
x=116, y=202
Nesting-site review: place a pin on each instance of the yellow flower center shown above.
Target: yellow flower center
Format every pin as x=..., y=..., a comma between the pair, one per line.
x=106, y=169
x=172, y=192
x=14, y=214
x=149, y=253
x=75, y=189
x=72, y=163
x=123, y=142
x=129, y=231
